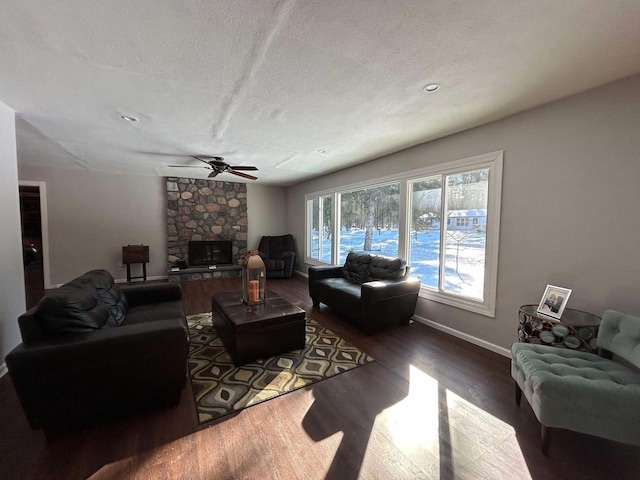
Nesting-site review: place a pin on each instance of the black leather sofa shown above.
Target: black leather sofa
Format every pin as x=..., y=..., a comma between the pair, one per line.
x=92, y=350
x=371, y=291
x=278, y=254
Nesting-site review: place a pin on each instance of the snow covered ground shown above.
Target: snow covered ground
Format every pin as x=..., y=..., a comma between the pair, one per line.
x=468, y=280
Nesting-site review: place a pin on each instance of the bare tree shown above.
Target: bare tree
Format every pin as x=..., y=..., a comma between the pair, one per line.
x=458, y=236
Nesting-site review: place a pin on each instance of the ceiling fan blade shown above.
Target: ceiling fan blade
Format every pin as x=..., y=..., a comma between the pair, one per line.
x=240, y=167
x=240, y=174
x=185, y=166
x=213, y=174
x=200, y=159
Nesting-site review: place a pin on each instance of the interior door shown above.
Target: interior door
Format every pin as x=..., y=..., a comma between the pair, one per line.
x=32, y=244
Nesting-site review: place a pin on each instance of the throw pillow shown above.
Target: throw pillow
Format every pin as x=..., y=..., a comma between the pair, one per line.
x=355, y=267
x=110, y=294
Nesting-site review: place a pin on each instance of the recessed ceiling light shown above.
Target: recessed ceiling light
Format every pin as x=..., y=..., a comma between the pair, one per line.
x=322, y=150
x=431, y=87
x=128, y=118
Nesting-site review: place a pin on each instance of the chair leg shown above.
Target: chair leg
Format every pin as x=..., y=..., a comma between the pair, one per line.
x=518, y=394
x=545, y=437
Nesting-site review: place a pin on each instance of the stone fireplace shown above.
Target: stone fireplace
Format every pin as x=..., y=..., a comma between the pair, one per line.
x=199, y=210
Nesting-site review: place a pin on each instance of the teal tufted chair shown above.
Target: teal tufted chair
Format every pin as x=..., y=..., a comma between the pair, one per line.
x=582, y=391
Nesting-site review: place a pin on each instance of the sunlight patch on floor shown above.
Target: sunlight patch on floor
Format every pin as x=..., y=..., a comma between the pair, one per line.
x=413, y=422
x=444, y=434
x=482, y=444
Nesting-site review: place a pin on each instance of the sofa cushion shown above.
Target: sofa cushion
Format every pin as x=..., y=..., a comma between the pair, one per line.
x=273, y=264
x=356, y=266
x=74, y=307
x=386, y=268
x=577, y=390
x=110, y=293
x=326, y=286
x=154, y=311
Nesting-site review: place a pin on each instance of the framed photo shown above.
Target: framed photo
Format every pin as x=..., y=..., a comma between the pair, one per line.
x=553, y=301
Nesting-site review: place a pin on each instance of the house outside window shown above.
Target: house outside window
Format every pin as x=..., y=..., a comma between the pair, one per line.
x=443, y=219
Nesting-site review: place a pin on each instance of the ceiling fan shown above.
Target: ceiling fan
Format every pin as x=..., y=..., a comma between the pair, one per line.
x=217, y=165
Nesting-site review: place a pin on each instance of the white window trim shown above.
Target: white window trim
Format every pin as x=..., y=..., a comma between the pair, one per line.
x=494, y=162
x=308, y=221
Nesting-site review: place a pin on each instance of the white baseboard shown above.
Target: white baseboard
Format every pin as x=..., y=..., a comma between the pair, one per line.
x=464, y=336
x=3, y=370
x=456, y=333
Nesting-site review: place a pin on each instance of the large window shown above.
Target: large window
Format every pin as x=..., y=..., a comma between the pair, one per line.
x=444, y=220
x=369, y=221
x=450, y=256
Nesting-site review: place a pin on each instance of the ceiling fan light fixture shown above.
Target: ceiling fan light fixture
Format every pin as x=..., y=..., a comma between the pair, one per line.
x=431, y=87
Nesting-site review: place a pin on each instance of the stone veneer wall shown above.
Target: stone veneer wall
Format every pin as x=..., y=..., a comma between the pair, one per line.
x=205, y=210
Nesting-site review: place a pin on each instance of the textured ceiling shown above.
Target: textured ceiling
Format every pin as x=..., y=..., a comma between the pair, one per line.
x=273, y=83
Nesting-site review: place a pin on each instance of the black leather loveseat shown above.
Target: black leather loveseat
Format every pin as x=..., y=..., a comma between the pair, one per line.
x=92, y=350
x=372, y=291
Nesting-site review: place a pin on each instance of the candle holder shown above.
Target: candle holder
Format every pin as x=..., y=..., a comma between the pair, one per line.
x=254, y=274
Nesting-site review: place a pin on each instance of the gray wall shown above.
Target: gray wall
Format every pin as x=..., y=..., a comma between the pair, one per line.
x=569, y=205
x=12, y=296
x=92, y=215
x=266, y=208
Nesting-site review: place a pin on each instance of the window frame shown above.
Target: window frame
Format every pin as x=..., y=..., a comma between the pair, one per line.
x=492, y=161
x=309, y=227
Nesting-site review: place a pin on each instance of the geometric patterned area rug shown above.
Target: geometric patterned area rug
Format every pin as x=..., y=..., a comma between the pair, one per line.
x=221, y=388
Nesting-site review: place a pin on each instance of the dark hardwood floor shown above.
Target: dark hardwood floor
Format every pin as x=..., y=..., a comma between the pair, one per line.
x=431, y=406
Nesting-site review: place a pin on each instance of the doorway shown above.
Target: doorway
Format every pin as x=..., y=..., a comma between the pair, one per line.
x=34, y=241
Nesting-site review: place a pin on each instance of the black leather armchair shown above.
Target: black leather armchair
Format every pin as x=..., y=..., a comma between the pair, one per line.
x=278, y=254
x=92, y=350
x=372, y=291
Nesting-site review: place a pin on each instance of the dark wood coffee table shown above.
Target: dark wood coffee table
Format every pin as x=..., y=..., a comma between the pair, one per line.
x=257, y=331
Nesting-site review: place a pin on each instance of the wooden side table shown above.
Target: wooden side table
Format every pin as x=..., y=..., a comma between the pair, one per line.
x=136, y=254
x=576, y=330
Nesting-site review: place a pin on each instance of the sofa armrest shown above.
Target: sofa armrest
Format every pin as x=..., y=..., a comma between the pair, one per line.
x=289, y=258
x=320, y=272
x=79, y=375
x=99, y=348
x=381, y=289
x=142, y=294
x=387, y=302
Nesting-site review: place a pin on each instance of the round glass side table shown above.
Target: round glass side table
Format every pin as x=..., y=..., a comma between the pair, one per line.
x=576, y=330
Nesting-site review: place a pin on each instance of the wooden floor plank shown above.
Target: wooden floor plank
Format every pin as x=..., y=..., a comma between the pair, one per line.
x=430, y=406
